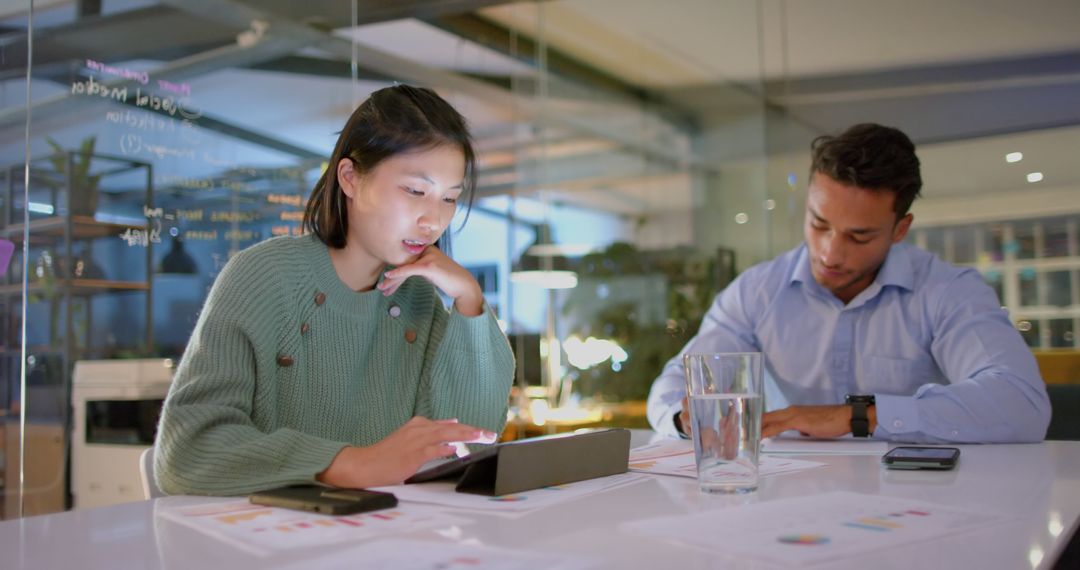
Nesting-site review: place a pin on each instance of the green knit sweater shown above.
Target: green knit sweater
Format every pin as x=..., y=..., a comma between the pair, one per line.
x=287, y=366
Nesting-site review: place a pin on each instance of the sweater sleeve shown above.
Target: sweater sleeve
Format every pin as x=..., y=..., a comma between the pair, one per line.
x=468, y=370
x=207, y=443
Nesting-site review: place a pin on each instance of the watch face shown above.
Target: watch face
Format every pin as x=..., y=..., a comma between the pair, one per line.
x=859, y=399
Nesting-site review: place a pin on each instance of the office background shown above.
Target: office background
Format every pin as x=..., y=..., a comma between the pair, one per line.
x=635, y=156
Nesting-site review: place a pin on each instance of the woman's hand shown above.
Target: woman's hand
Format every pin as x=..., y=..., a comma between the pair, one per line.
x=444, y=273
x=400, y=454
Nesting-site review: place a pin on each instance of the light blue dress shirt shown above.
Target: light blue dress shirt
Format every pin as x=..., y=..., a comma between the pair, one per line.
x=930, y=340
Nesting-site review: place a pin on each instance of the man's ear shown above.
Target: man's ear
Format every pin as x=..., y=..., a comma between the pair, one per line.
x=347, y=177
x=902, y=228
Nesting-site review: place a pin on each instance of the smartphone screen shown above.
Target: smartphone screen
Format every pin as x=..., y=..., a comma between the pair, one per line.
x=925, y=453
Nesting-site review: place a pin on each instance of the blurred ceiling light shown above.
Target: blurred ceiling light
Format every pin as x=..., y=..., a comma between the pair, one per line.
x=1034, y=176
x=1014, y=157
x=177, y=261
x=741, y=218
x=546, y=271
x=770, y=204
x=546, y=279
x=553, y=249
x=39, y=208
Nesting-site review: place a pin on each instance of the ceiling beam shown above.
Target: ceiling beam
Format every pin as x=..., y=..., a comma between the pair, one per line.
x=518, y=46
x=333, y=14
x=154, y=32
x=242, y=14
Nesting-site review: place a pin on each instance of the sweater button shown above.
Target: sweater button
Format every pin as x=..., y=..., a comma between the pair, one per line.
x=395, y=311
x=320, y=298
x=304, y=328
x=284, y=361
x=410, y=336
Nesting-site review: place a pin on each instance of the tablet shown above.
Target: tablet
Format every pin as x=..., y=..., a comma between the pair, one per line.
x=448, y=467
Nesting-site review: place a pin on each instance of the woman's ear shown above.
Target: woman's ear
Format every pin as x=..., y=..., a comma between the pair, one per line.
x=347, y=177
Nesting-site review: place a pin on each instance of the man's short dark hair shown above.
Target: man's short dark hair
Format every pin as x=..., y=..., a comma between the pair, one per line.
x=871, y=156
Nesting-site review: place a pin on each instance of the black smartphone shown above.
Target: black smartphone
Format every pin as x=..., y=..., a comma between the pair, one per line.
x=325, y=500
x=921, y=457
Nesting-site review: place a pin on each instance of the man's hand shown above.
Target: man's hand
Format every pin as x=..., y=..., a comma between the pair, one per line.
x=815, y=421
x=684, y=418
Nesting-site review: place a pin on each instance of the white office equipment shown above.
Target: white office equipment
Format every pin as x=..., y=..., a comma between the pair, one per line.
x=117, y=405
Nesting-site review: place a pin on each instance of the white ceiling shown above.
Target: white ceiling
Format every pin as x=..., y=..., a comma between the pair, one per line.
x=711, y=57
x=964, y=124
x=692, y=41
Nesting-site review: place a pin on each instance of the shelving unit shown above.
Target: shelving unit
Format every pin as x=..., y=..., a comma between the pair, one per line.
x=65, y=280
x=1033, y=265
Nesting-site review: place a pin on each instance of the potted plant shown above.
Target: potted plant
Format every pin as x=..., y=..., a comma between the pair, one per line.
x=82, y=186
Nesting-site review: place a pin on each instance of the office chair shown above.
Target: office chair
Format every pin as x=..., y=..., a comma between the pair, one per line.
x=146, y=473
x=1065, y=407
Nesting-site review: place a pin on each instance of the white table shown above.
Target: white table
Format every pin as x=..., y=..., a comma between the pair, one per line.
x=1038, y=484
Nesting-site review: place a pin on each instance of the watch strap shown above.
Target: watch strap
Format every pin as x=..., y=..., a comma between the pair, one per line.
x=860, y=422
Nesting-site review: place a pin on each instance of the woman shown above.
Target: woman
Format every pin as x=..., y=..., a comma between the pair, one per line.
x=312, y=362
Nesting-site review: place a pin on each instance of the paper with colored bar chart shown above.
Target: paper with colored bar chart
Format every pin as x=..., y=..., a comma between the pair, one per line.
x=424, y=555
x=513, y=505
x=265, y=530
x=809, y=530
x=676, y=457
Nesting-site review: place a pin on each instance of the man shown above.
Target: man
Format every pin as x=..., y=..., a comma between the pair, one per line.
x=922, y=349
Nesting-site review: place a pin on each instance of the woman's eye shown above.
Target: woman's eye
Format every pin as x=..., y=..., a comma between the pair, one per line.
x=412, y=191
x=450, y=200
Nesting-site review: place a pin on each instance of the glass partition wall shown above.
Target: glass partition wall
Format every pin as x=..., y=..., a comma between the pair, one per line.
x=634, y=158
x=636, y=162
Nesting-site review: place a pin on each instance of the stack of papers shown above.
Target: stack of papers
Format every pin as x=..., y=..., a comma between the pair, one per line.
x=424, y=555
x=516, y=504
x=846, y=445
x=676, y=457
x=815, y=529
x=264, y=530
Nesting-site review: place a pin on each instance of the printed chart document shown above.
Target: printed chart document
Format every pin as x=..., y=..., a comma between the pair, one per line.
x=443, y=493
x=676, y=457
x=423, y=555
x=809, y=530
x=265, y=530
x=794, y=443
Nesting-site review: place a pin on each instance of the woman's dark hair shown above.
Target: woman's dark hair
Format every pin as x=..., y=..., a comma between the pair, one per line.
x=874, y=157
x=392, y=121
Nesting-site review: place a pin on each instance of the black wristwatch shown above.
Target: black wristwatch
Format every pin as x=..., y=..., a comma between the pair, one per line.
x=860, y=422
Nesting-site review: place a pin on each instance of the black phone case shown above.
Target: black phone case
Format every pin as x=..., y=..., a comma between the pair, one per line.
x=911, y=463
x=325, y=500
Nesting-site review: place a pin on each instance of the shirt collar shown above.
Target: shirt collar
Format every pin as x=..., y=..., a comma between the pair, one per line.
x=800, y=273
x=895, y=271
